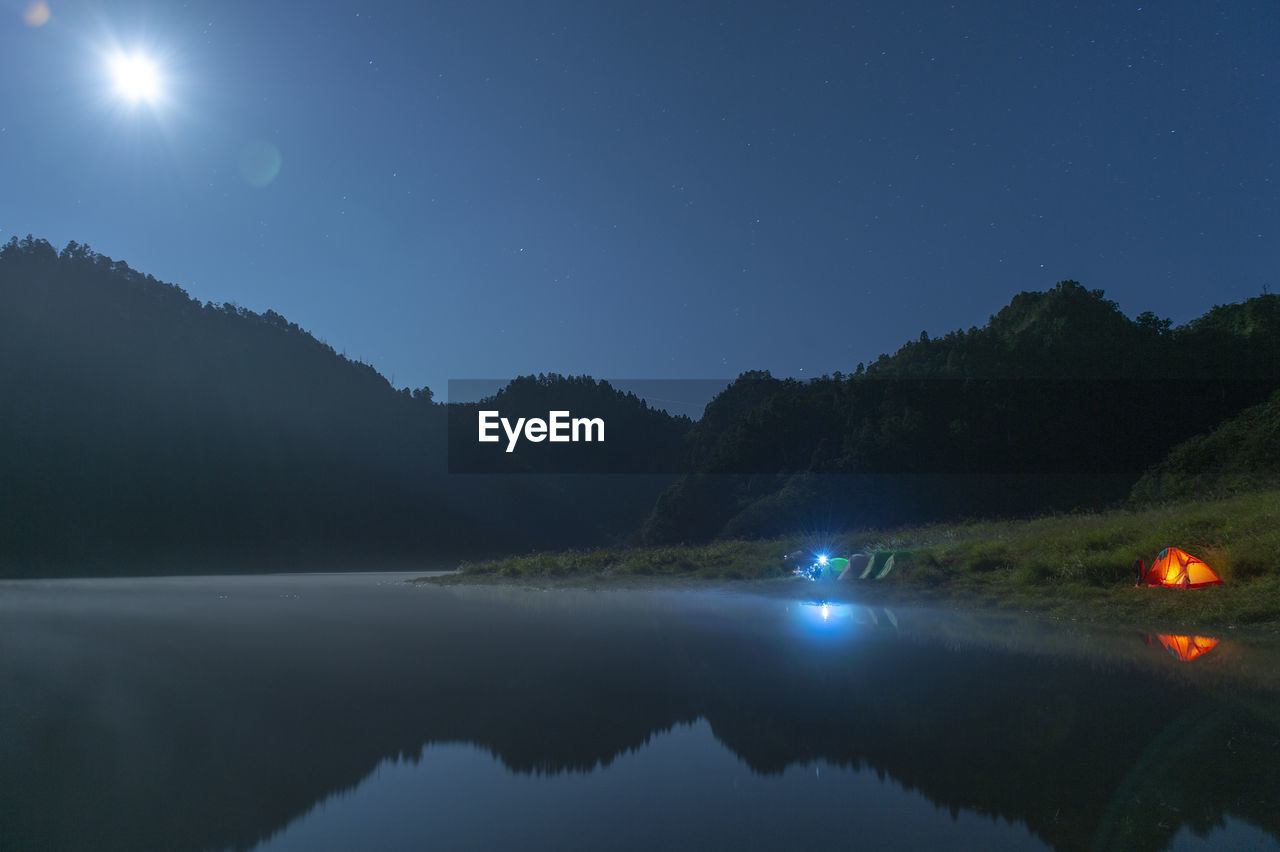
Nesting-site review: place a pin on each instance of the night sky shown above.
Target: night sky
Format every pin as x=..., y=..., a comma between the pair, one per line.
x=656, y=189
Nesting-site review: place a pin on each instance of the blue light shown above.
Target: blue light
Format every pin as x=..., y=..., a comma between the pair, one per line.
x=822, y=559
x=824, y=617
x=832, y=622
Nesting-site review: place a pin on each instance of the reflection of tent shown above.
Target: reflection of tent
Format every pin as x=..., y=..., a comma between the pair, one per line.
x=1187, y=647
x=1176, y=567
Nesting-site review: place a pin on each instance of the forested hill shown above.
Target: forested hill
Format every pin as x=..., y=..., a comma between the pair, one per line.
x=139, y=421
x=143, y=431
x=1060, y=400
x=1071, y=332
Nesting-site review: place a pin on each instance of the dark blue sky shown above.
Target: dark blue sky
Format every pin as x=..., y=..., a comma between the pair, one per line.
x=656, y=189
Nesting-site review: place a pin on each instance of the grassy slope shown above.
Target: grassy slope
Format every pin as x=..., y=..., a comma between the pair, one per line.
x=1240, y=455
x=1071, y=566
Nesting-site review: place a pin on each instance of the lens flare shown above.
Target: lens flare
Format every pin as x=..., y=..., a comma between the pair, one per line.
x=135, y=77
x=37, y=14
x=260, y=162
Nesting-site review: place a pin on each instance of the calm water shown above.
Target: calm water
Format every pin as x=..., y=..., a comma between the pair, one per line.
x=360, y=712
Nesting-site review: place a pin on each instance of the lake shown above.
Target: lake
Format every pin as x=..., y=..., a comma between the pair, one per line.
x=359, y=711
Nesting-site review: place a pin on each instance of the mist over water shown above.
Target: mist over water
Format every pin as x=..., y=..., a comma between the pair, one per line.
x=359, y=711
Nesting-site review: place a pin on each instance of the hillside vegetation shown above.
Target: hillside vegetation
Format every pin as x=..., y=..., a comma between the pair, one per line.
x=1059, y=402
x=1241, y=454
x=146, y=431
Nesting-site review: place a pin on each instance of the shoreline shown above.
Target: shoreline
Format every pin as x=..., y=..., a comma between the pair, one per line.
x=1154, y=610
x=1070, y=567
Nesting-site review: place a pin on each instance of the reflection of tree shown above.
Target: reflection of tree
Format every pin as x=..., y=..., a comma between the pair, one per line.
x=1198, y=765
x=241, y=718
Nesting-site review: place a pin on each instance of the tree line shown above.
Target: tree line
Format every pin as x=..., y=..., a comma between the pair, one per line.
x=1060, y=401
x=146, y=431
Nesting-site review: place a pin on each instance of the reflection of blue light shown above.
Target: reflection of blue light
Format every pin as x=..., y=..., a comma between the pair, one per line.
x=832, y=623
x=822, y=559
x=826, y=617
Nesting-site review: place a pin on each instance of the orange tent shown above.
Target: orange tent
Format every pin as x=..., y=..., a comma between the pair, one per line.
x=1187, y=647
x=1176, y=567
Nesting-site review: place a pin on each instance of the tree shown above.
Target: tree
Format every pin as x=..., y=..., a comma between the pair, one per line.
x=1151, y=322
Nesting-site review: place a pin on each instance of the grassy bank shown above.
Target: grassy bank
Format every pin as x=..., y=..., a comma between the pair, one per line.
x=1075, y=566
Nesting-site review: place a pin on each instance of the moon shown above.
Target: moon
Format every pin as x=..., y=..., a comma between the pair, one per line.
x=135, y=77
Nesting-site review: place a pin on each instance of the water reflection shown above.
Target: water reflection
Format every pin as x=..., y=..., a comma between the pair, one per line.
x=1183, y=647
x=683, y=790
x=830, y=618
x=216, y=713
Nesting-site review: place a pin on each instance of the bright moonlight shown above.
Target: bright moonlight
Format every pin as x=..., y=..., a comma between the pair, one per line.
x=135, y=77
